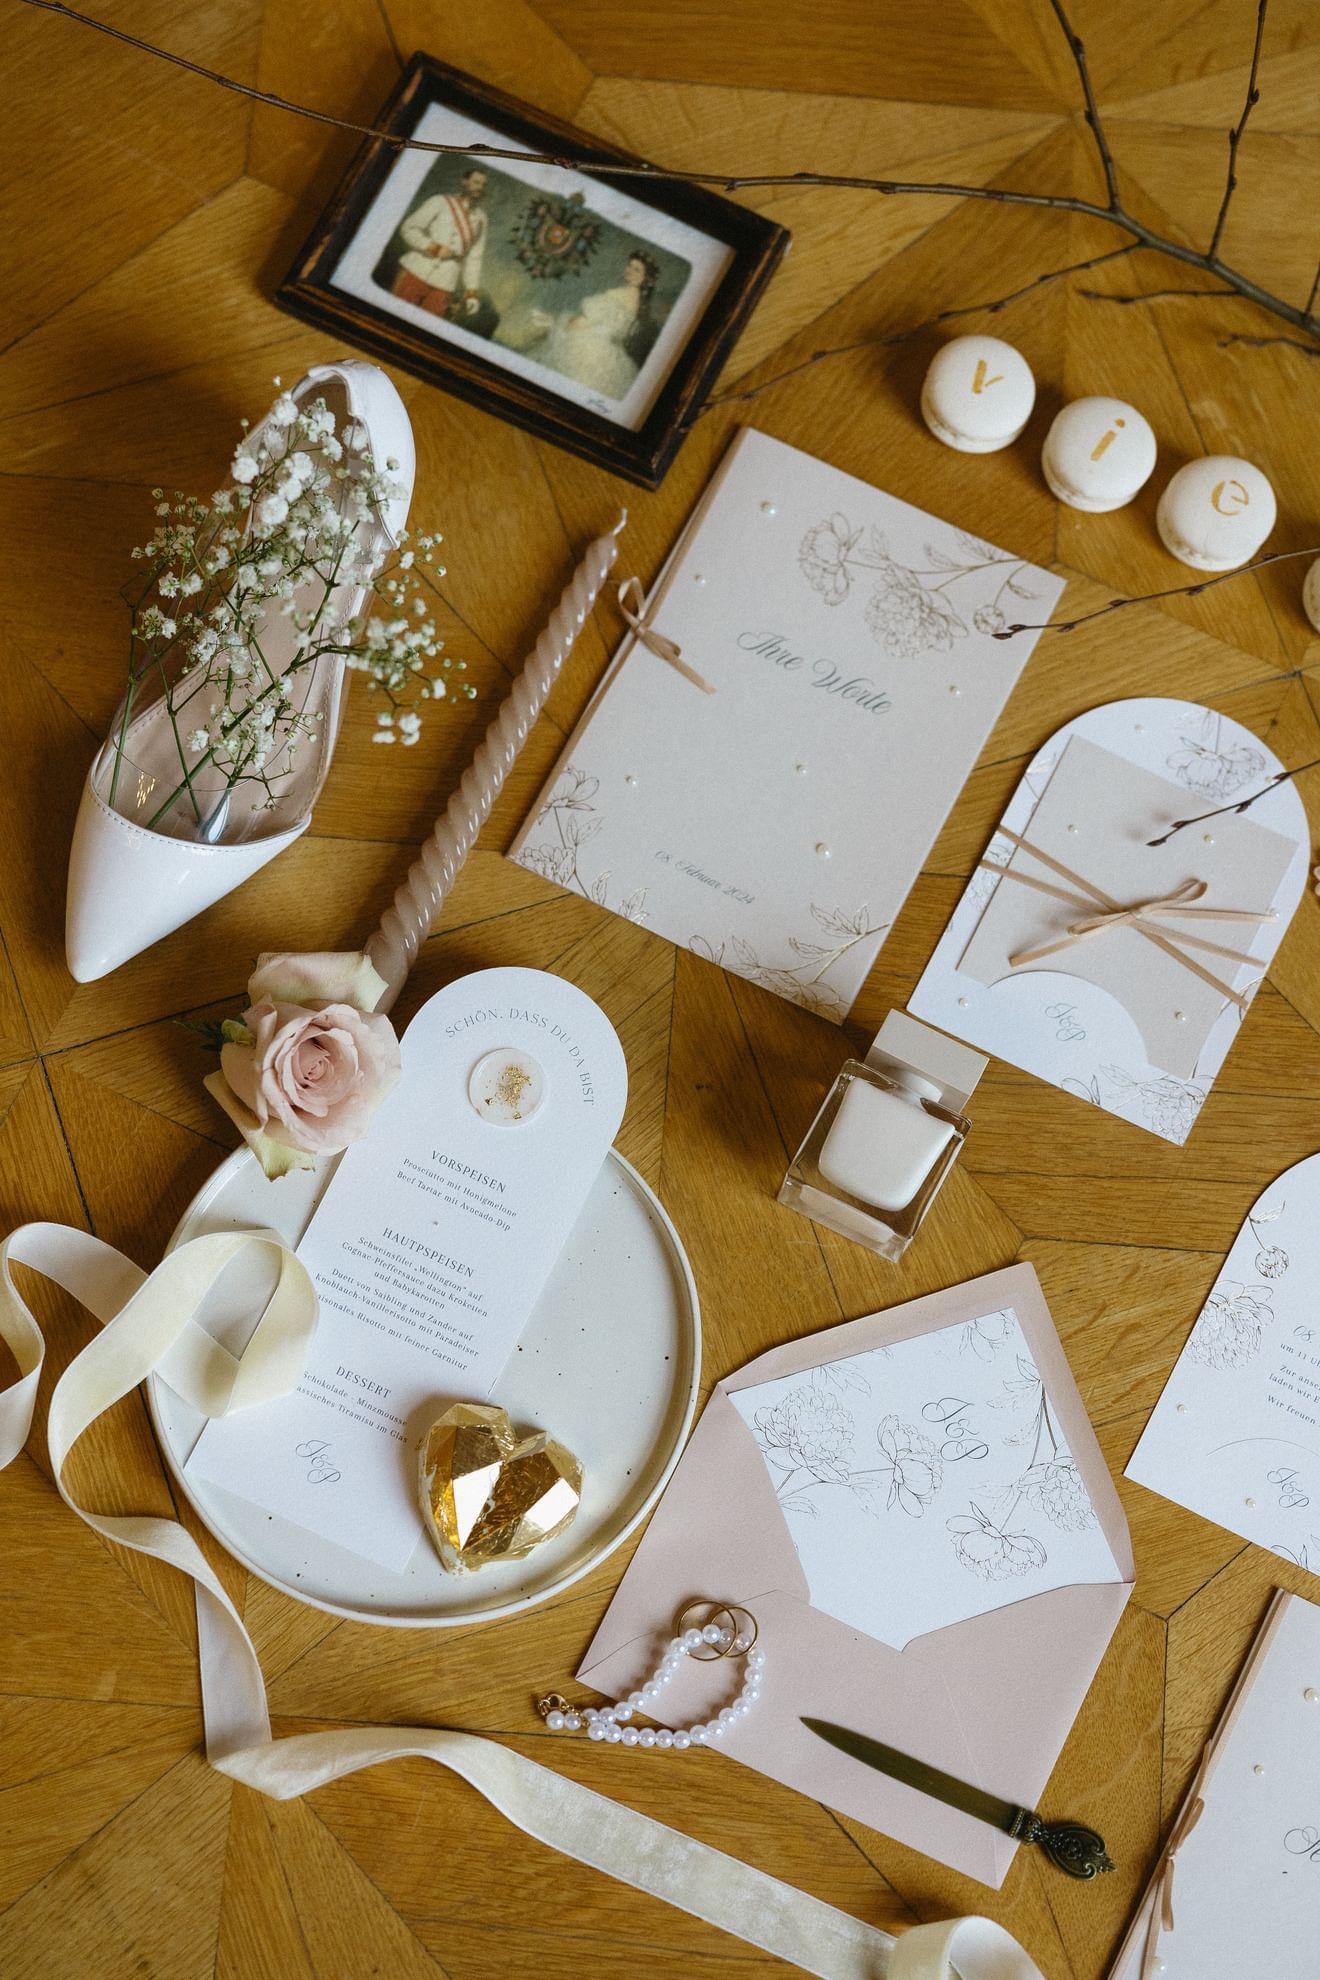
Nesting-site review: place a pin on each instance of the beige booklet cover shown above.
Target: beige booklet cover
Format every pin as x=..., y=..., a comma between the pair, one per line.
x=776, y=825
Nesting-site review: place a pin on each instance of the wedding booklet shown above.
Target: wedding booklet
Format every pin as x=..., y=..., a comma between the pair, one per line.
x=914, y=1508
x=1236, y=1895
x=776, y=825
x=428, y=1250
x=1236, y=1434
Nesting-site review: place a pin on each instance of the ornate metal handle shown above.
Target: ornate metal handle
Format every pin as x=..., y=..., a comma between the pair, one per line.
x=1070, y=1845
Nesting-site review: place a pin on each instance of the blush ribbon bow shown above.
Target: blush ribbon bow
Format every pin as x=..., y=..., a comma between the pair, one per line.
x=1100, y=912
x=1161, y=1910
x=632, y=604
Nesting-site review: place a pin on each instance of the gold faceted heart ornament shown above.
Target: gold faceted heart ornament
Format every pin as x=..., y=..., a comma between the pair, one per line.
x=485, y=1495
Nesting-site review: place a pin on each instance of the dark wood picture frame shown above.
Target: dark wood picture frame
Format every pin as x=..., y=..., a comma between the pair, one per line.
x=641, y=455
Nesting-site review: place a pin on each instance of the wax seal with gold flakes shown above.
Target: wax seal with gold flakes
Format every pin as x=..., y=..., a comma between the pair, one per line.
x=488, y=1496
x=506, y=1086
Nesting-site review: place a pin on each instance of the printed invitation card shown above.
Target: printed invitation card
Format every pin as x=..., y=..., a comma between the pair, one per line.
x=1236, y=1434
x=1237, y=1891
x=776, y=824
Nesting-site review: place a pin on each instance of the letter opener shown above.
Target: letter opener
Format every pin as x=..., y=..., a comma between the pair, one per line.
x=1072, y=1846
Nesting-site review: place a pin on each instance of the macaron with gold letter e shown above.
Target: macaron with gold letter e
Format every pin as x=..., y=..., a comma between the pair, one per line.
x=978, y=394
x=1216, y=513
x=1098, y=453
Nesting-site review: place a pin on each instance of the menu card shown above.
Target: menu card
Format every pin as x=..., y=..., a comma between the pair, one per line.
x=428, y=1251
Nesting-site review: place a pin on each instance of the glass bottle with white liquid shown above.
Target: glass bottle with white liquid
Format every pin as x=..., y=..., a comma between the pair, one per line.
x=889, y=1131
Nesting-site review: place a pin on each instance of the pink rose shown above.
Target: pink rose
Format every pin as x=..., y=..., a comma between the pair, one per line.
x=304, y=1073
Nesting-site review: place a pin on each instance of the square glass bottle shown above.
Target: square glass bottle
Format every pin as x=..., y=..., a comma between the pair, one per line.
x=889, y=1131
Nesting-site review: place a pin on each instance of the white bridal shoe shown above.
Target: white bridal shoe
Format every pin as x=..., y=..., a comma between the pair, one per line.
x=135, y=873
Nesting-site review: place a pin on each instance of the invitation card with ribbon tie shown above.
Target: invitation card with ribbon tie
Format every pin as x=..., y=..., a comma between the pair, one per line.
x=1236, y=1434
x=1237, y=1888
x=787, y=724
x=1105, y=952
x=914, y=1508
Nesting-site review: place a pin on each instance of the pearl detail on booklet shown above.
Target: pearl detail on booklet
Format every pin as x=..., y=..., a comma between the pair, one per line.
x=707, y=1644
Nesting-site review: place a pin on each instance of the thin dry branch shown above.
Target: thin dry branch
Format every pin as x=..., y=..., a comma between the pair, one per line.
x=884, y=340
x=1113, y=214
x=1235, y=135
x=1263, y=343
x=1243, y=804
x=1152, y=295
x=1153, y=597
x=1077, y=49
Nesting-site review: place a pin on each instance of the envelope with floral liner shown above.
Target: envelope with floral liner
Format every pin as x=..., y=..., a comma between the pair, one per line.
x=955, y=1695
x=1115, y=968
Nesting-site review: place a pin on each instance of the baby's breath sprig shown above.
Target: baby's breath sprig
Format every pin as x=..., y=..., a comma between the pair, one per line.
x=246, y=596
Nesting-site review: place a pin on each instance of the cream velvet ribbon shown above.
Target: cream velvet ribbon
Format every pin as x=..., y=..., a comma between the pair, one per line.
x=149, y=1323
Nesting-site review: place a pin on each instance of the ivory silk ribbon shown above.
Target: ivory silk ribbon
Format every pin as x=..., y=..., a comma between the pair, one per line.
x=149, y=1323
x=1139, y=916
x=632, y=603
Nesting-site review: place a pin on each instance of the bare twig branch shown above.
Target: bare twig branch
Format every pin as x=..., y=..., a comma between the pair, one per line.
x=1243, y=804
x=1235, y=135
x=1262, y=343
x=1152, y=295
x=1113, y=214
x=1077, y=49
x=1153, y=597
x=1315, y=291
x=884, y=340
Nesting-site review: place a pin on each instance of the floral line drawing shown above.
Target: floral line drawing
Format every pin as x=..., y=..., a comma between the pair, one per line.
x=802, y=982
x=1271, y=1259
x=1307, y=1555
x=985, y=1337
x=576, y=820
x=1168, y=1106
x=982, y=1541
x=1229, y=1327
x=1209, y=769
x=807, y=1440
x=908, y=611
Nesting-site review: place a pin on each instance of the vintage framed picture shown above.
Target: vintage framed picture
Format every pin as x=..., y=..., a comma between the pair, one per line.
x=594, y=310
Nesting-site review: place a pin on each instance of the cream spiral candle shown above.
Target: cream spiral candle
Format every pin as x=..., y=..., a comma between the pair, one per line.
x=410, y=916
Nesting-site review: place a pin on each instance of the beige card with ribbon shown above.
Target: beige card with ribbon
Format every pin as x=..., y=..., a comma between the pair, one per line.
x=1167, y=930
x=1071, y=953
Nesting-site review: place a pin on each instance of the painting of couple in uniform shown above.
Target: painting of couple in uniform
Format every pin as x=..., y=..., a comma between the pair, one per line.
x=534, y=272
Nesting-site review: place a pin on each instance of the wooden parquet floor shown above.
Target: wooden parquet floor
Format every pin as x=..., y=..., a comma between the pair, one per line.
x=147, y=216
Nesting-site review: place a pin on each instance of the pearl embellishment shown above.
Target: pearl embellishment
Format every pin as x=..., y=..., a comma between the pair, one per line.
x=608, y=1724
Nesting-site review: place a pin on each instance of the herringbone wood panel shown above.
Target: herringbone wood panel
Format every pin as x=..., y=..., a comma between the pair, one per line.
x=148, y=215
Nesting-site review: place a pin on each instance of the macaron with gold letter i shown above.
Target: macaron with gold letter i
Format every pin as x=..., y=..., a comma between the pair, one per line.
x=978, y=394
x=1098, y=453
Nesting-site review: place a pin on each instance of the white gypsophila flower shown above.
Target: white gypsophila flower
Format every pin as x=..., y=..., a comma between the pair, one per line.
x=284, y=411
x=271, y=511
x=199, y=740
x=244, y=467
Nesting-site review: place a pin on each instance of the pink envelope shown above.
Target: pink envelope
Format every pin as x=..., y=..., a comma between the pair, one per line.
x=990, y=1700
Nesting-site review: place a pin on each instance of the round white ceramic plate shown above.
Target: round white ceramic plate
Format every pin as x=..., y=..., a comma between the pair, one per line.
x=608, y=1363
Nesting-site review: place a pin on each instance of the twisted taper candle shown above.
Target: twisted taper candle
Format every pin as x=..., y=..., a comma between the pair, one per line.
x=408, y=920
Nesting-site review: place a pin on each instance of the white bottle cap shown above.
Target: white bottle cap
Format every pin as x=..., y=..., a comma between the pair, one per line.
x=905, y=1046
x=912, y=1082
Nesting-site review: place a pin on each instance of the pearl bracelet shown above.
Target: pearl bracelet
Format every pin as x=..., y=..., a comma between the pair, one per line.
x=707, y=1644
